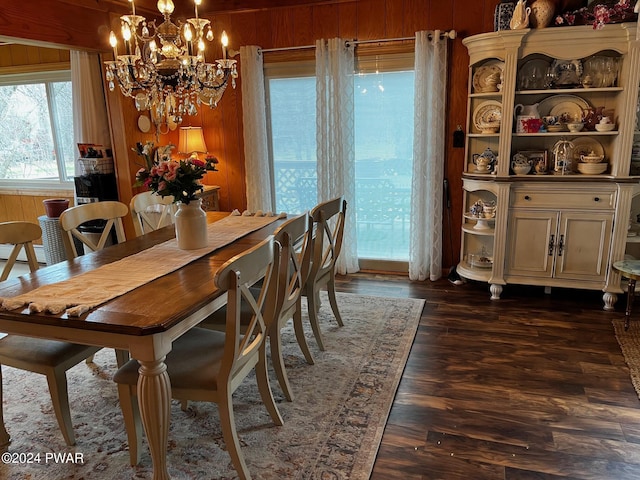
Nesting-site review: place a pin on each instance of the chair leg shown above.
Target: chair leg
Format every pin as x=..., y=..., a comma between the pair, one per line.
x=89, y=360
x=122, y=357
x=184, y=404
x=57, y=380
x=262, y=377
x=227, y=422
x=275, y=341
x=331, y=289
x=313, y=307
x=299, y=331
x=132, y=421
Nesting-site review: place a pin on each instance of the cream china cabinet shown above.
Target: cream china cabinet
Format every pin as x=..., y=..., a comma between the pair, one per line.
x=561, y=191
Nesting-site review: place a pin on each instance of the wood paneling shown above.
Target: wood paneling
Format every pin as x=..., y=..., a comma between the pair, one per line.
x=27, y=205
x=16, y=58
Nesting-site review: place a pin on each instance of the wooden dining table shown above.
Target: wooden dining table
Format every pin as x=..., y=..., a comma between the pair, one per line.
x=144, y=321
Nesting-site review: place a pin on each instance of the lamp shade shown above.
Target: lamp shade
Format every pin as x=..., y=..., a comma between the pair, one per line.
x=191, y=140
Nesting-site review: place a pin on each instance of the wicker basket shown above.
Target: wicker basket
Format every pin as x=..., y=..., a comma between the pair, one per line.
x=95, y=165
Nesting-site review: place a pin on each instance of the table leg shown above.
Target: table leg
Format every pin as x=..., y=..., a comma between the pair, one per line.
x=630, y=294
x=4, y=435
x=154, y=399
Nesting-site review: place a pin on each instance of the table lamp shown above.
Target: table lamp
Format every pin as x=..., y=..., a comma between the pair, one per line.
x=191, y=141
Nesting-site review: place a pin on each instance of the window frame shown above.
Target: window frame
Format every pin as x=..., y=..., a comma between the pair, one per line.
x=47, y=78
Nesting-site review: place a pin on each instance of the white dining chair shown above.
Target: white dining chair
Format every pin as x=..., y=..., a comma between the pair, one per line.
x=328, y=224
x=51, y=358
x=294, y=237
x=111, y=212
x=208, y=365
x=150, y=212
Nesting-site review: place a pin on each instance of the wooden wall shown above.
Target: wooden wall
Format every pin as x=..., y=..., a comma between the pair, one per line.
x=26, y=205
x=18, y=58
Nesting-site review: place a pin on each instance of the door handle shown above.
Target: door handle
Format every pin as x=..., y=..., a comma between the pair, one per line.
x=551, y=245
x=560, y=245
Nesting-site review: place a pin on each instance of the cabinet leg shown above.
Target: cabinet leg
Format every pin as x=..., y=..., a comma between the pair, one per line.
x=495, y=290
x=610, y=300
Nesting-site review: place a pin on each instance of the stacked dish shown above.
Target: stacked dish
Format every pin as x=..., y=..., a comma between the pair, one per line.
x=592, y=168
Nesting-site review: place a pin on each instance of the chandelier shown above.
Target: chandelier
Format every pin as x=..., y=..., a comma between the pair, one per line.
x=164, y=68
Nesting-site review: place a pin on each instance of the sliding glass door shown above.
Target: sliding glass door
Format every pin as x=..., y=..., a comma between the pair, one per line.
x=383, y=152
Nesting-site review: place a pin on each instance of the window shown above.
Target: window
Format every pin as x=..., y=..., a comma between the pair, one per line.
x=36, y=128
x=292, y=115
x=383, y=90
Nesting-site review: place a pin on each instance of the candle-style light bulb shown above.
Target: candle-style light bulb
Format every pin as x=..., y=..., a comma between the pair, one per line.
x=225, y=42
x=201, y=45
x=113, y=41
x=165, y=7
x=188, y=34
x=126, y=32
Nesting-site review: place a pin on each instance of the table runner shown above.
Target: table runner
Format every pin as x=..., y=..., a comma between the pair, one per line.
x=83, y=292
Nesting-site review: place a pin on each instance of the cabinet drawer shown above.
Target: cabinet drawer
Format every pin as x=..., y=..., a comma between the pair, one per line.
x=594, y=200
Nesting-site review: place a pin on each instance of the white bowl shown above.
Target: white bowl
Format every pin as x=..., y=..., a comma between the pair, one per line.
x=592, y=168
x=521, y=169
x=575, y=127
x=605, y=127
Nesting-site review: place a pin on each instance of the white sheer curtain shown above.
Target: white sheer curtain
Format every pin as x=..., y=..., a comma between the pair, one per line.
x=259, y=175
x=335, y=137
x=425, y=249
x=90, y=124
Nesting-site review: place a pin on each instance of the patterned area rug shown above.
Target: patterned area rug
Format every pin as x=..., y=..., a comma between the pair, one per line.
x=332, y=428
x=630, y=345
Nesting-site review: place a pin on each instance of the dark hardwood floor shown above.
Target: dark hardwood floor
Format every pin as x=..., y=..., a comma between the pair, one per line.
x=532, y=386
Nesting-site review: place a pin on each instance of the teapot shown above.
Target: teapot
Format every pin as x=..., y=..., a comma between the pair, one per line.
x=484, y=161
x=520, y=18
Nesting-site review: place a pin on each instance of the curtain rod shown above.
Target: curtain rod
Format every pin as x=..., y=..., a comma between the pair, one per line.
x=451, y=34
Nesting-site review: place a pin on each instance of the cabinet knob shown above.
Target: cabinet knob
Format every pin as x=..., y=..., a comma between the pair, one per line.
x=527, y=197
x=597, y=199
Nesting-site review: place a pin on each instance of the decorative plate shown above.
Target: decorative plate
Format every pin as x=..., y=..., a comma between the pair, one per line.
x=567, y=73
x=532, y=74
x=586, y=145
x=566, y=107
x=144, y=124
x=487, y=77
x=487, y=116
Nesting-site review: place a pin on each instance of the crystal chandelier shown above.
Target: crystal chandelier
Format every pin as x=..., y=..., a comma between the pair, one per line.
x=164, y=68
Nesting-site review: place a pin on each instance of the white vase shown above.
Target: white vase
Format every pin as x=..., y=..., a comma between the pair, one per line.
x=191, y=225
